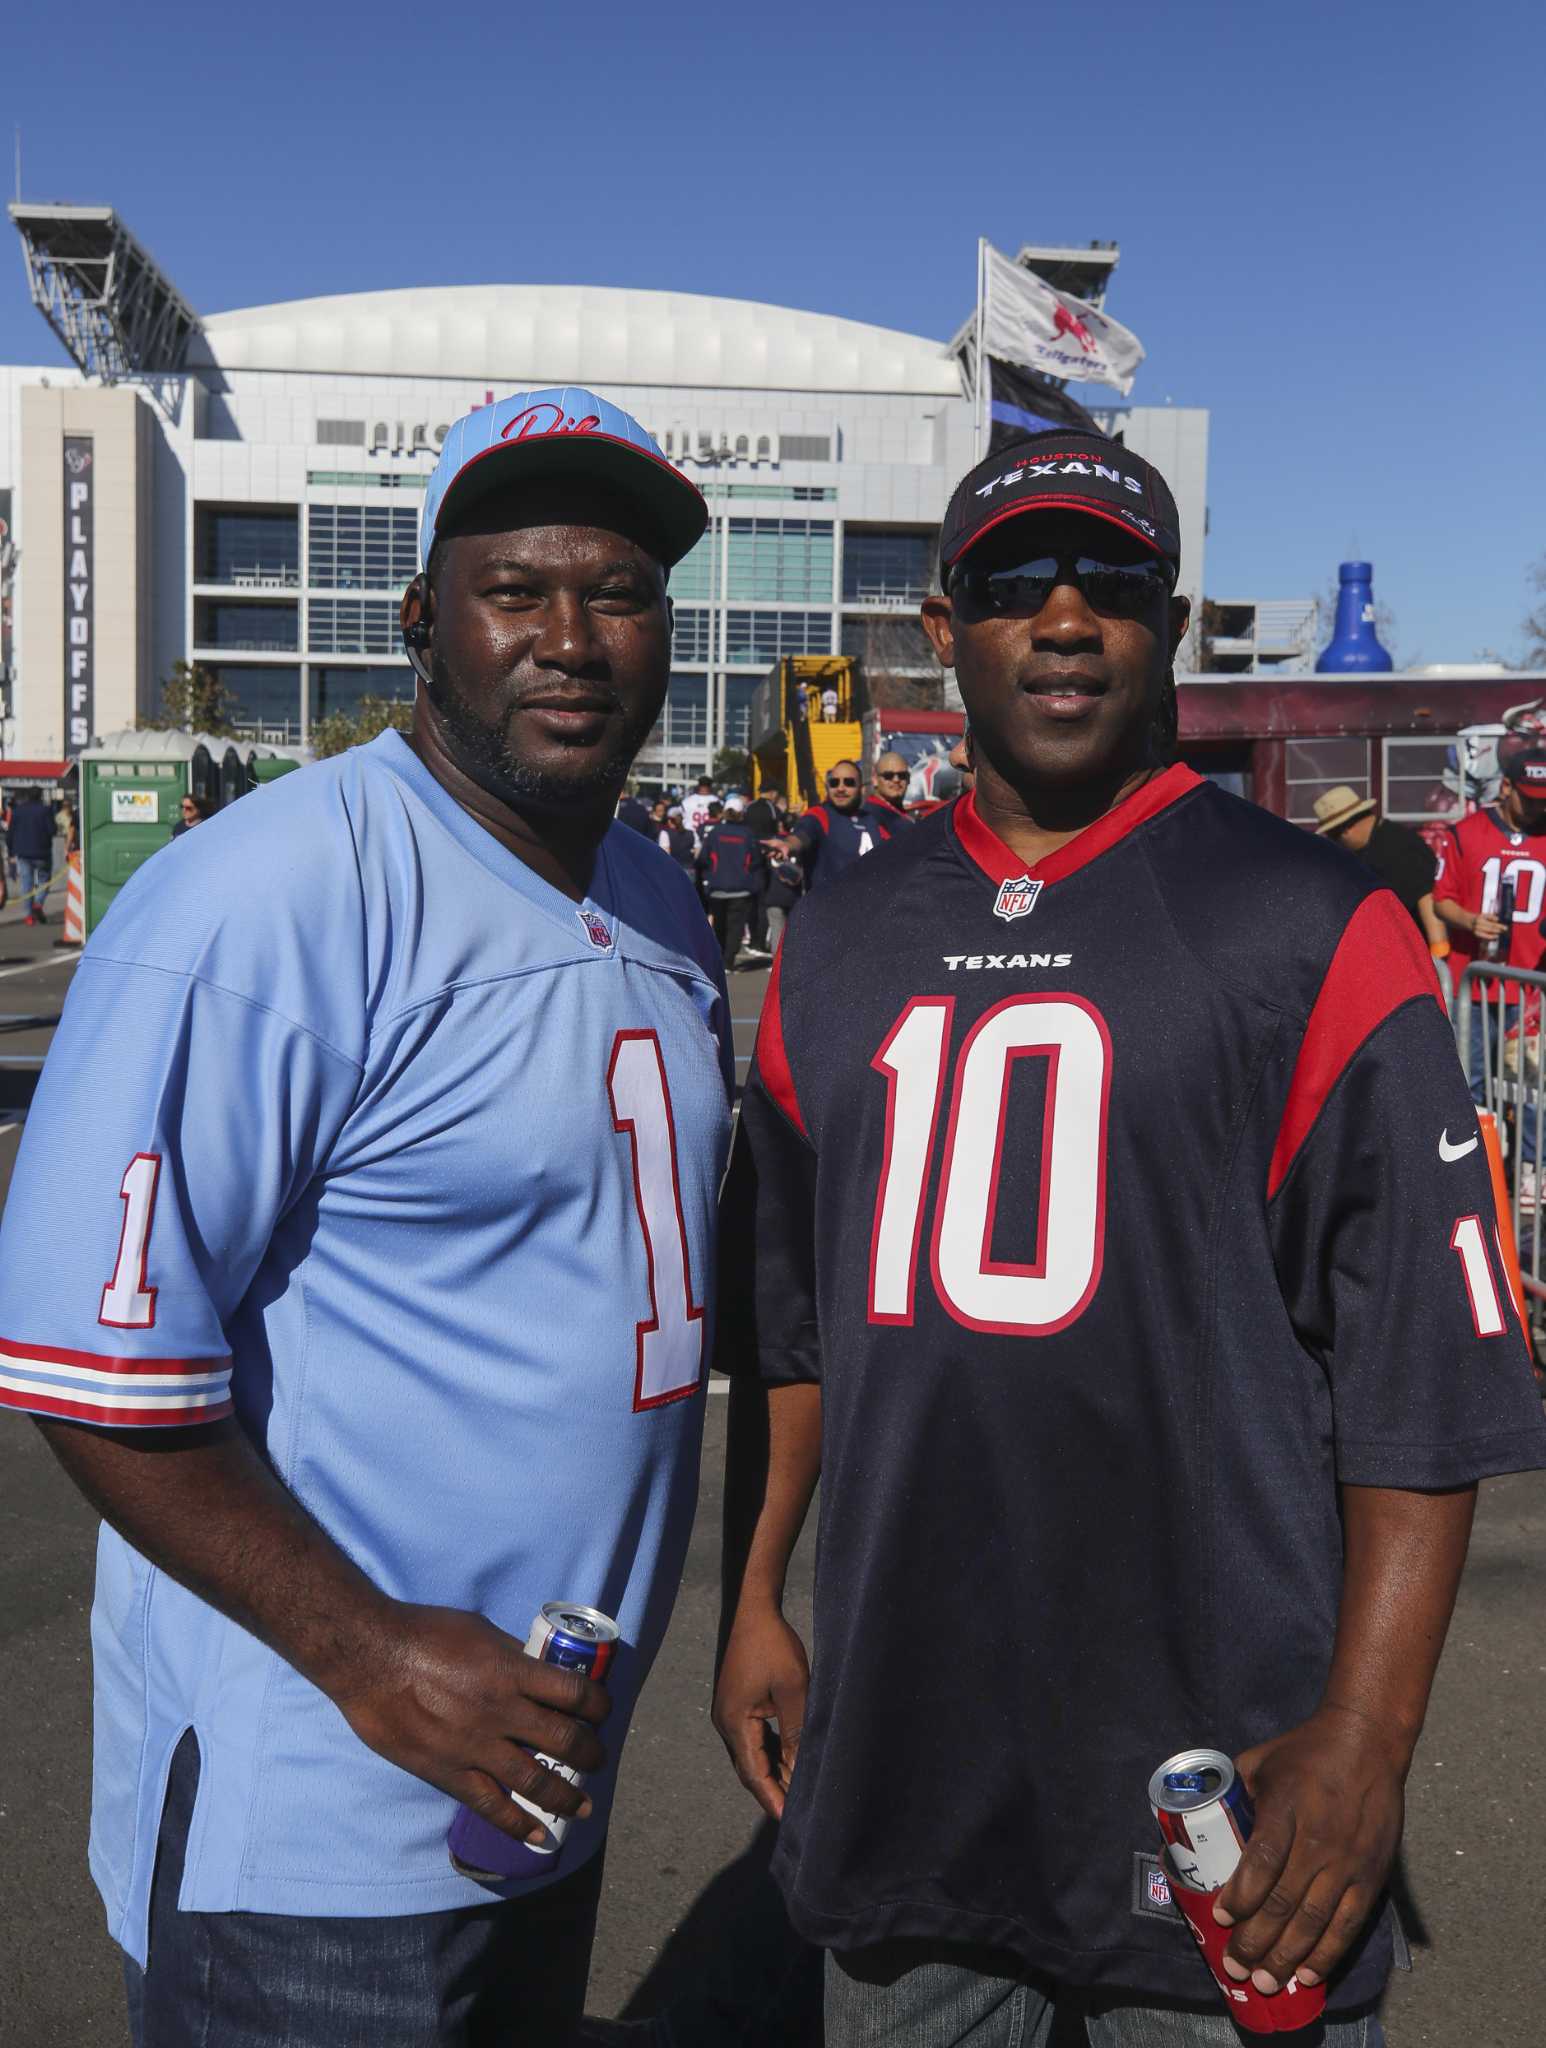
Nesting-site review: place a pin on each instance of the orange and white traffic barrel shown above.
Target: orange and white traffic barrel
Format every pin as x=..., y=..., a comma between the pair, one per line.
x=74, y=905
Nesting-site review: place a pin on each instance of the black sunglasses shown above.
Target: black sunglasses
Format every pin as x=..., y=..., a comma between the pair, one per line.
x=891, y=775
x=1119, y=590
x=842, y=782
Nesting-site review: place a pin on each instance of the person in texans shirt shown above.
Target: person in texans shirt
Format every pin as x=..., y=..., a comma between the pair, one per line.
x=1118, y=1253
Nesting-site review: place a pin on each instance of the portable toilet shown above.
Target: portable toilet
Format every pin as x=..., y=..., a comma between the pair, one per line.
x=131, y=789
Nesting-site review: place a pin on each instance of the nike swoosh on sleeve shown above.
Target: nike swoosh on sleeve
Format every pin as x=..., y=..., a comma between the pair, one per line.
x=1447, y=1151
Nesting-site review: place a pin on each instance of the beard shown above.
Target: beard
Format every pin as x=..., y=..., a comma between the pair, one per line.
x=482, y=749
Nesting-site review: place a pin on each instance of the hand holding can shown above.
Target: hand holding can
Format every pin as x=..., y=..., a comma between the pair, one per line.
x=573, y=1638
x=1205, y=1816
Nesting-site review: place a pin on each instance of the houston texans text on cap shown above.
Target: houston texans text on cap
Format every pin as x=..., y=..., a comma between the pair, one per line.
x=1062, y=472
x=1523, y=762
x=565, y=431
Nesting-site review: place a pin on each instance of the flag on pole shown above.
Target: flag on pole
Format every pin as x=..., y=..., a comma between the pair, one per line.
x=1025, y=321
x=1021, y=403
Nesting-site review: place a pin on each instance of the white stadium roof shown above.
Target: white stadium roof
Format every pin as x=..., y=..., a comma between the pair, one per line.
x=577, y=334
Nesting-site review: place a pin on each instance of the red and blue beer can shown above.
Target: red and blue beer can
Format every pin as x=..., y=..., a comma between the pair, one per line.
x=575, y=1638
x=1205, y=1815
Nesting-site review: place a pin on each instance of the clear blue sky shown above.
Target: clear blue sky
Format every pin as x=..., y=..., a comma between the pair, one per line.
x=1329, y=213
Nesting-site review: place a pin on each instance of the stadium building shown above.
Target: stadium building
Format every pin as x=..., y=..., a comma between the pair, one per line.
x=243, y=489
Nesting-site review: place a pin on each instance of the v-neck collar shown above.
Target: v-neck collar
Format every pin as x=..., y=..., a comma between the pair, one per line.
x=1000, y=863
x=600, y=899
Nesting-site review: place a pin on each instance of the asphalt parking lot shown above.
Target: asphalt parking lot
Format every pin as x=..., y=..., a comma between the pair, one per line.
x=686, y=1900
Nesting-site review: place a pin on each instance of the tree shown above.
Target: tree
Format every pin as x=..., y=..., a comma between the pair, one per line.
x=897, y=659
x=341, y=730
x=192, y=700
x=732, y=765
x=1534, y=624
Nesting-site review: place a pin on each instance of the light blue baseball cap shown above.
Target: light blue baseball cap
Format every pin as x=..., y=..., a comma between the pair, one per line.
x=563, y=431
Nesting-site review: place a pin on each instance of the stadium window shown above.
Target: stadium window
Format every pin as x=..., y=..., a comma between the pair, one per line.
x=246, y=545
x=259, y=628
x=687, y=711
x=805, y=448
x=764, y=447
x=886, y=568
x=764, y=636
x=341, y=689
x=361, y=547
x=739, y=693
x=696, y=575
x=350, y=626
x=267, y=698
x=781, y=561
x=693, y=637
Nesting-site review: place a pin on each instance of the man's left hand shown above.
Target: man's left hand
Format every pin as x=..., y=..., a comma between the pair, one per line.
x=1329, y=1797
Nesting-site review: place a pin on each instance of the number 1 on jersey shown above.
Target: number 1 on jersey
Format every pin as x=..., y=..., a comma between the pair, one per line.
x=670, y=1353
x=128, y=1303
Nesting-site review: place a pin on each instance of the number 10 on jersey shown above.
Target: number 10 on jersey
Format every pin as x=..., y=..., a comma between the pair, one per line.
x=1054, y=1286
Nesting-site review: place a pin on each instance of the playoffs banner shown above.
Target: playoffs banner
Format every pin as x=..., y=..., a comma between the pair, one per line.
x=80, y=575
x=1025, y=321
x=1021, y=403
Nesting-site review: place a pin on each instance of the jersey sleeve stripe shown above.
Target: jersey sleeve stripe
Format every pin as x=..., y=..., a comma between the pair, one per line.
x=772, y=1060
x=1380, y=964
x=46, y=1356
x=36, y=1400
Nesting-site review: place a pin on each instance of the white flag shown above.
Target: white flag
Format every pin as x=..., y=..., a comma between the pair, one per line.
x=1025, y=321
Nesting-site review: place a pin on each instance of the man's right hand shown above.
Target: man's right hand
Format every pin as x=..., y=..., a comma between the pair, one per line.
x=456, y=1701
x=1487, y=928
x=764, y=1676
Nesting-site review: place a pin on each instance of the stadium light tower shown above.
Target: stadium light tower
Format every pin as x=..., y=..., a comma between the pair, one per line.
x=119, y=316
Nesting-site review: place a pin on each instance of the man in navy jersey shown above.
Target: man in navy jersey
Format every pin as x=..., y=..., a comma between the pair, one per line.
x=390, y=1119
x=1121, y=1256
x=831, y=836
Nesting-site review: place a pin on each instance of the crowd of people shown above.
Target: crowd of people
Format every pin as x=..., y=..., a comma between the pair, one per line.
x=753, y=858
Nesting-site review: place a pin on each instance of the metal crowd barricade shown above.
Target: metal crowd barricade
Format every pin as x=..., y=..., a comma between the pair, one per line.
x=1498, y=1018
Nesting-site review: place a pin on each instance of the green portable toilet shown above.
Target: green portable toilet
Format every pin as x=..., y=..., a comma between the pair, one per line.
x=274, y=762
x=131, y=789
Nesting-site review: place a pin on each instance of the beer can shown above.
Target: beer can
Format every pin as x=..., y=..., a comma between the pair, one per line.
x=575, y=1638
x=1205, y=1815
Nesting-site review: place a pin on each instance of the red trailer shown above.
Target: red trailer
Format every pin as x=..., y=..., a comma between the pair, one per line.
x=1285, y=740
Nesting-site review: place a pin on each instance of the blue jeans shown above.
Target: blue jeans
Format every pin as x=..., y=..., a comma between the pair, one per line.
x=507, y=1975
x=908, y=1994
x=33, y=874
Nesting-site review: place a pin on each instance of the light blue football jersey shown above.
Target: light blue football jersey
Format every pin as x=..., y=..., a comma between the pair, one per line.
x=354, y=1123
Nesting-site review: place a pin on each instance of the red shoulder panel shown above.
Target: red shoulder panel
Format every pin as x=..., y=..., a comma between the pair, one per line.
x=772, y=1060
x=1380, y=963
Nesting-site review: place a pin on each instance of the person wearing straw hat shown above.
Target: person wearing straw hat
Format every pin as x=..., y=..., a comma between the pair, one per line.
x=1401, y=858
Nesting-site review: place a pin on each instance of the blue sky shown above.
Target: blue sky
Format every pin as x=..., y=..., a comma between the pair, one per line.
x=1329, y=213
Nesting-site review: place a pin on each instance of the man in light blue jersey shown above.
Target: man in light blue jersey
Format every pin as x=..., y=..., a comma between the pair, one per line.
x=390, y=1124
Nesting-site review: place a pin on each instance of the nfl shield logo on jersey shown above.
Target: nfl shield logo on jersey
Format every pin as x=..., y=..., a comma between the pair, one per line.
x=1016, y=898
x=596, y=930
x=1158, y=1888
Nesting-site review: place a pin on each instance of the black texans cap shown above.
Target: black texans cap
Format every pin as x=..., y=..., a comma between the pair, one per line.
x=1062, y=472
x=1522, y=761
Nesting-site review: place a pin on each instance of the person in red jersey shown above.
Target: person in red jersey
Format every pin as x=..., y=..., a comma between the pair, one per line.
x=1118, y=1253
x=1497, y=851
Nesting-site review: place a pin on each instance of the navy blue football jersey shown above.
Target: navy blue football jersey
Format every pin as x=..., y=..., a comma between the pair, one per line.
x=832, y=840
x=1122, y=1209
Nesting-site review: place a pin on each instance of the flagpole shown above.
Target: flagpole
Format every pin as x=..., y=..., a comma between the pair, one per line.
x=977, y=391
